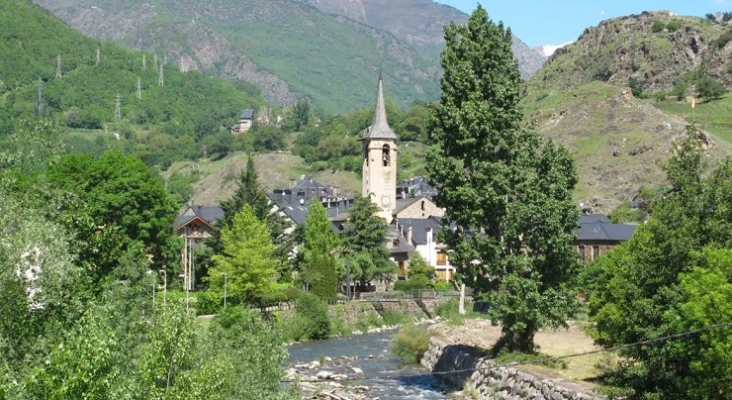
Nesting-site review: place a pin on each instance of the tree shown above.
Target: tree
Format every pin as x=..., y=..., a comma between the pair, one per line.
x=363, y=239
x=250, y=192
x=248, y=258
x=508, y=191
x=644, y=290
x=710, y=88
x=301, y=113
x=318, y=249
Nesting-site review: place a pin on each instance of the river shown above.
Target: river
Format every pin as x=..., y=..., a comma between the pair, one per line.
x=383, y=373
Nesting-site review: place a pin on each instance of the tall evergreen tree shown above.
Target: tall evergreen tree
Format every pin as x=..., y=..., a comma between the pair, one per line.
x=250, y=192
x=364, y=239
x=508, y=191
x=318, y=249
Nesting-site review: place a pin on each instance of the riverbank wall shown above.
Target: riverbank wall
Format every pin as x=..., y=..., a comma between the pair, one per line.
x=466, y=367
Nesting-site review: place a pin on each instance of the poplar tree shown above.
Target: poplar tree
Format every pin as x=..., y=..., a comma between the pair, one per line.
x=507, y=190
x=319, y=245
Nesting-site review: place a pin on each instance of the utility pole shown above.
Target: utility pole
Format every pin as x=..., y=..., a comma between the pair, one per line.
x=58, y=66
x=139, y=88
x=144, y=63
x=118, y=108
x=98, y=51
x=161, y=79
x=39, y=99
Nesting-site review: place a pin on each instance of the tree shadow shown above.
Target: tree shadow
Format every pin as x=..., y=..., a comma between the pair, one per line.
x=457, y=363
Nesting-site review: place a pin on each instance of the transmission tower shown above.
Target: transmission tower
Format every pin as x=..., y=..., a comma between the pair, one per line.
x=165, y=59
x=118, y=108
x=58, y=66
x=182, y=66
x=39, y=100
x=98, y=53
x=139, y=88
x=161, y=80
x=144, y=63
x=155, y=61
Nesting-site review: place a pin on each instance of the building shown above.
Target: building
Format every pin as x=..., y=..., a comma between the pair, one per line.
x=417, y=207
x=194, y=224
x=245, y=121
x=597, y=235
x=415, y=187
x=379, y=170
x=421, y=234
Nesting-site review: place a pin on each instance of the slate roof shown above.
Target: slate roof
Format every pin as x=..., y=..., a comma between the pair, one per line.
x=403, y=247
x=597, y=227
x=403, y=204
x=420, y=227
x=379, y=128
x=417, y=185
x=247, y=113
x=207, y=213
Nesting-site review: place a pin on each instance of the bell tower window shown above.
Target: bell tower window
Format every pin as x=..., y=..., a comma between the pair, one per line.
x=385, y=155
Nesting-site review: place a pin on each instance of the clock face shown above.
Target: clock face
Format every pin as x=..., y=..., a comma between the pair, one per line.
x=385, y=200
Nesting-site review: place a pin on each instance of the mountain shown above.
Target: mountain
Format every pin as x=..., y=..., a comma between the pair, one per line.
x=420, y=23
x=549, y=49
x=87, y=87
x=581, y=98
x=658, y=49
x=287, y=48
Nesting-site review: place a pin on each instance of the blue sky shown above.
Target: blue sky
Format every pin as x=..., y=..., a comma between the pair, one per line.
x=538, y=22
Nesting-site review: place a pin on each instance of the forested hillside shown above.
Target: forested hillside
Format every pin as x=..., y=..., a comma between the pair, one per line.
x=50, y=71
x=329, y=59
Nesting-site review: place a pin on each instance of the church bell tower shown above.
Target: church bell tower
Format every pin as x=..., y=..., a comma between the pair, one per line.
x=380, y=159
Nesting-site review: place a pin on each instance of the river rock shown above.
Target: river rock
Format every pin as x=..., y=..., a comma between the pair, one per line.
x=356, y=370
x=339, y=377
x=324, y=375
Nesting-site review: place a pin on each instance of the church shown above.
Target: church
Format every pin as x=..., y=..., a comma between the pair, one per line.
x=414, y=219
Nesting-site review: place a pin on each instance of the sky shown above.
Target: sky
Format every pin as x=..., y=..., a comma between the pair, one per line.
x=553, y=22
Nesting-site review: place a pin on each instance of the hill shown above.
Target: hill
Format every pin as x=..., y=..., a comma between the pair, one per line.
x=329, y=59
x=50, y=71
x=657, y=49
x=420, y=23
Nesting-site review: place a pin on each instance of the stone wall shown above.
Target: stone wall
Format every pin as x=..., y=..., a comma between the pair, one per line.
x=490, y=381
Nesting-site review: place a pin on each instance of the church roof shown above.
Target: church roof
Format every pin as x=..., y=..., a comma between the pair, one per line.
x=379, y=128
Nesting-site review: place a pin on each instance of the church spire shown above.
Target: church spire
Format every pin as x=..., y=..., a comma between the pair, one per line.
x=379, y=128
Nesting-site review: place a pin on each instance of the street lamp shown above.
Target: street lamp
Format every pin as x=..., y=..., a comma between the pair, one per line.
x=165, y=285
x=225, y=276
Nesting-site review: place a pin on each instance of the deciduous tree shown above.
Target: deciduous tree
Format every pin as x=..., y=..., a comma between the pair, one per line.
x=248, y=258
x=508, y=191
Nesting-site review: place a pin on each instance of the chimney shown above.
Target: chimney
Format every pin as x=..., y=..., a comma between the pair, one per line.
x=409, y=233
x=335, y=190
x=292, y=183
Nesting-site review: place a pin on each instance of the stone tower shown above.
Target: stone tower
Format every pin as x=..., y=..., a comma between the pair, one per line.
x=380, y=159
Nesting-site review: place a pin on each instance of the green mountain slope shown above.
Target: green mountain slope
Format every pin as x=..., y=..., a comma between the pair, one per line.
x=181, y=112
x=330, y=59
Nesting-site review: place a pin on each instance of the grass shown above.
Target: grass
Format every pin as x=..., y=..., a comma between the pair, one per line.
x=410, y=343
x=714, y=116
x=218, y=178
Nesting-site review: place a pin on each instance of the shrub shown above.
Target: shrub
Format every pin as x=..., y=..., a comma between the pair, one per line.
x=416, y=282
x=674, y=25
x=410, y=344
x=723, y=39
x=710, y=88
x=448, y=309
x=679, y=90
x=396, y=318
x=625, y=213
x=658, y=26
x=636, y=87
x=314, y=316
x=443, y=286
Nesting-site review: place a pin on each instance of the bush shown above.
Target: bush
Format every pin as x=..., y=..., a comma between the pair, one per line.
x=680, y=89
x=410, y=344
x=396, y=318
x=443, y=286
x=416, y=282
x=710, y=88
x=658, y=26
x=314, y=316
x=674, y=25
x=448, y=309
x=624, y=214
x=636, y=87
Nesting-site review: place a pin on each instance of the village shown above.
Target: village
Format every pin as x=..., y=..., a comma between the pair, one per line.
x=408, y=207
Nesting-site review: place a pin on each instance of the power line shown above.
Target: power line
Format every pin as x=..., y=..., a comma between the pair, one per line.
x=392, y=377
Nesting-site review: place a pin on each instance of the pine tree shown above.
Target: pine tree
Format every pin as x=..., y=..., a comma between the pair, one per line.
x=248, y=258
x=508, y=190
x=250, y=191
x=318, y=265
x=363, y=239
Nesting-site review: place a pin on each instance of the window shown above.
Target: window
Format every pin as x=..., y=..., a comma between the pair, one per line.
x=385, y=155
x=595, y=251
x=422, y=205
x=582, y=252
x=441, y=258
